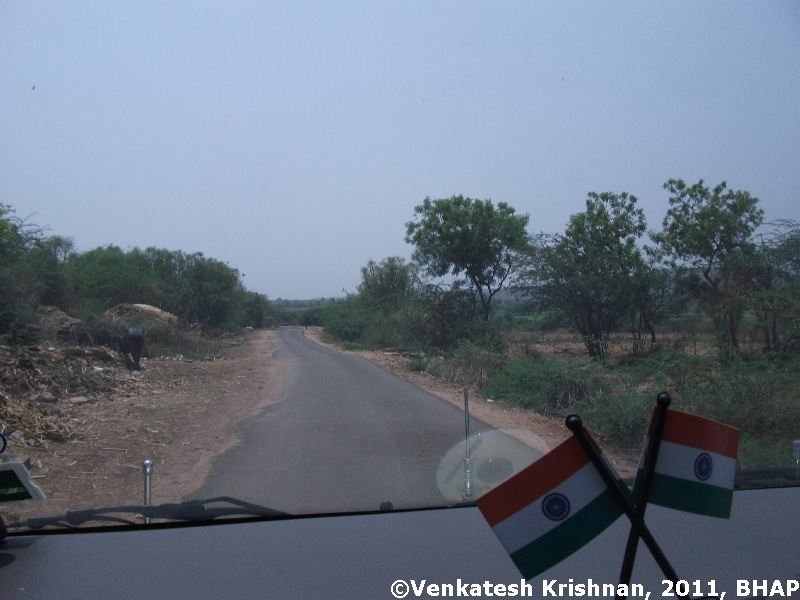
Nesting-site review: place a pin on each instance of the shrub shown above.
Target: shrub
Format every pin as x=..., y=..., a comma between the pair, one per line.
x=546, y=385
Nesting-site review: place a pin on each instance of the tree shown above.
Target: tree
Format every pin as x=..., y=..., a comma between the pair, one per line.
x=208, y=291
x=775, y=294
x=652, y=296
x=594, y=272
x=459, y=235
x=31, y=272
x=386, y=284
x=256, y=310
x=15, y=298
x=445, y=316
x=706, y=237
x=46, y=260
x=106, y=276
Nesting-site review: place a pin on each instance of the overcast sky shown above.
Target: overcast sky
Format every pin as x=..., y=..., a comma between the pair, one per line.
x=293, y=139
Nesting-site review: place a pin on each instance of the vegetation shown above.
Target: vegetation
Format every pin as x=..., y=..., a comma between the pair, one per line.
x=597, y=322
x=707, y=239
x=38, y=270
x=460, y=235
x=710, y=312
x=594, y=272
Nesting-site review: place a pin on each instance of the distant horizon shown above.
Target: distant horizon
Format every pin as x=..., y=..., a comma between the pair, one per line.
x=30, y=220
x=292, y=141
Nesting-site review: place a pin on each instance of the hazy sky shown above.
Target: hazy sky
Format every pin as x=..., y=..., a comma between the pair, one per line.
x=292, y=140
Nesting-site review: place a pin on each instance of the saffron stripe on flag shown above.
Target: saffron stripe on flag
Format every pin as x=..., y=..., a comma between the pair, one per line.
x=533, y=482
x=699, y=432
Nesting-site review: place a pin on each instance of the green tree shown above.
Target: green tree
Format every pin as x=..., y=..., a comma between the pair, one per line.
x=254, y=310
x=651, y=295
x=594, y=272
x=31, y=273
x=386, y=284
x=443, y=317
x=104, y=277
x=459, y=235
x=35, y=270
x=707, y=238
x=15, y=298
x=46, y=261
x=775, y=294
x=208, y=292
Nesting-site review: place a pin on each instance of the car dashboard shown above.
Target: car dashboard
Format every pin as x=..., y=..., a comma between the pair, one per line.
x=447, y=552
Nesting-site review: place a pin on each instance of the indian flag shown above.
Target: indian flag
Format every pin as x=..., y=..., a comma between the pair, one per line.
x=696, y=465
x=549, y=510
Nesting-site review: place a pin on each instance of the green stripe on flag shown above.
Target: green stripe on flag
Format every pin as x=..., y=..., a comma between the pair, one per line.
x=691, y=496
x=559, y=543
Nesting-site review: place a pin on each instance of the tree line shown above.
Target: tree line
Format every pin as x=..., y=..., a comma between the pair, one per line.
x=480, y=286
x=605, y=274
x=37, y=269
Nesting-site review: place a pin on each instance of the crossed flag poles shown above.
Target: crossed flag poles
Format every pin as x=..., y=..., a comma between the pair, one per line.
x=642, y=491
x=555, y=506
x=635, y=514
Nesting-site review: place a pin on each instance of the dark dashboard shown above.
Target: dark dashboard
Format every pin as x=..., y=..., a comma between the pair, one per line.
x=431, y=553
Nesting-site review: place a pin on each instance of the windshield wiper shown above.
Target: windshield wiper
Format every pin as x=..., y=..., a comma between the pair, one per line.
x=190, y=510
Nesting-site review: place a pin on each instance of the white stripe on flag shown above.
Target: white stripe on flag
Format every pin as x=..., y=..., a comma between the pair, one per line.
x=677, y=460
x=530, y=523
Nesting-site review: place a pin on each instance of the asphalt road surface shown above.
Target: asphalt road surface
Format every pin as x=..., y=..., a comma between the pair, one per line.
x=345, y=436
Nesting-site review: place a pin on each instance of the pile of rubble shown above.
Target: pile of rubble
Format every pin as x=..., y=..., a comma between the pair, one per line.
x=135, y=312
x=43, y=387
x=41, y=384
x=38, y=384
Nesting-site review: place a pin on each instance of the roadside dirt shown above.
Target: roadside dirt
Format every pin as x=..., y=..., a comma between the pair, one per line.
x=178, y=413
x=181, y=414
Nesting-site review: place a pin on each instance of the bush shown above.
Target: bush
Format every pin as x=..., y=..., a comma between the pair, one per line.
x=472, y=363
x=418, y=364
x=546, y=385
x=345, y=322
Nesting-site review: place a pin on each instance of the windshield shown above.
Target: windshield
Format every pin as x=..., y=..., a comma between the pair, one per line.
x=327, y=258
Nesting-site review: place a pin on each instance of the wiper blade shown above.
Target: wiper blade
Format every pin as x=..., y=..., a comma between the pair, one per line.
x=190, y=510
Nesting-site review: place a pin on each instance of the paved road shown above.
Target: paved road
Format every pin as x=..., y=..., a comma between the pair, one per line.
x=346, y=435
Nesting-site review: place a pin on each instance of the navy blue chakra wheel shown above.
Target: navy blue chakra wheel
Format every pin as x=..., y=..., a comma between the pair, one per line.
x=703, y=466
x=555, y=506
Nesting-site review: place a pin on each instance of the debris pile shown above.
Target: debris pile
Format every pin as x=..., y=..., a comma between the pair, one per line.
x=39, y=385
x=56, y=324
x=56, y=389
x=134, y=312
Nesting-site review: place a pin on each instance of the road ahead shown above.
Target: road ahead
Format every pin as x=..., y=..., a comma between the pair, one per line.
x=346, y=435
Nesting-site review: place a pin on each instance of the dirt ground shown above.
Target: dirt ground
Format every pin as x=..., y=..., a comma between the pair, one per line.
x=181, y=413
x=178, y=413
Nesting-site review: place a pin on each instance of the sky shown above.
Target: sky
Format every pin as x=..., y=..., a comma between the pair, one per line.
x=292, y=140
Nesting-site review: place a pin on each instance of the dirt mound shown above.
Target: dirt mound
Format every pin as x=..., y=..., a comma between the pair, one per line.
x=56, y=324
x=133, y=312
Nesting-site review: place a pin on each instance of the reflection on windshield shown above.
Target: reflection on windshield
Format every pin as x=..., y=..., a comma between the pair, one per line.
x=275, y=251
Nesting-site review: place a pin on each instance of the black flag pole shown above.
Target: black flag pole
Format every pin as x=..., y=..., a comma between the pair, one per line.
x=620, y=493
x=644, y=480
